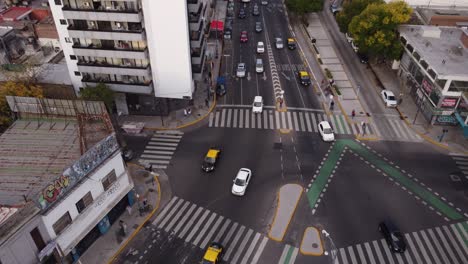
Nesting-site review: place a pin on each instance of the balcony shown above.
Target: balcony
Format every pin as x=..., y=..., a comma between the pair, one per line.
x=127, y=34
x=196, y=51
x=195, y=34
x=198, y=63
x=124, y=87
x=119, y=13
x=194, y=17
x=106, y=68
x=110, y=52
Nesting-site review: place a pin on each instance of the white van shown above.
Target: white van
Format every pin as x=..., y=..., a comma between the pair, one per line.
x=259, y=65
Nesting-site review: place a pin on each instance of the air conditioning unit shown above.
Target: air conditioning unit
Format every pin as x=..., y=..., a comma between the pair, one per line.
x=87, y=4
x=118, y=25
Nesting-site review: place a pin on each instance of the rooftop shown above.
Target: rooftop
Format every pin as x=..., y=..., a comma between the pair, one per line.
x=15, y=13
x=445, y=54
x=32, y=154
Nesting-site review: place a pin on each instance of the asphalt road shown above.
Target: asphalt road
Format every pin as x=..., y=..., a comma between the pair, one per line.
x=288, y=62
x=406, y=182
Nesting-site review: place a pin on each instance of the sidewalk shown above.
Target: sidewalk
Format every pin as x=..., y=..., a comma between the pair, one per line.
x=324, y=53
x=104, y=248
x=201, y=106
x=453, y=141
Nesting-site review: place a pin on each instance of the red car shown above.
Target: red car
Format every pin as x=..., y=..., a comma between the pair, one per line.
x=243, y=37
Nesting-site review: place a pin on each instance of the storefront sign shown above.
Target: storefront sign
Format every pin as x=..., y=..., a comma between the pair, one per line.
x=427, y=86
x=449, y=102
x=72, y=175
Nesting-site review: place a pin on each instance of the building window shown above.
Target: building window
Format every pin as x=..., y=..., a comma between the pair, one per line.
x=63, y=22
x=84, y=202
x=432, y=73
x=416, y=56
x=58, y=2
x=77, y=73
x=458, y=86
x=410, y=48
x=37, y=238
x=403, y=40
x=72, y=57
x=62, y=223
x=67, y=40
x=109, y=180
x=424, y=64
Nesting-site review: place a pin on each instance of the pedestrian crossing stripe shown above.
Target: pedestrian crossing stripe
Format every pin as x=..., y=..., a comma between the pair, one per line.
x=160, y=149
x=303, y=120
x=199, y=226
x=446, y=244
x=461, y=161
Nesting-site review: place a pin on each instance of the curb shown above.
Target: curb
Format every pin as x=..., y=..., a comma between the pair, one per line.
x=427, y=138
x=188, y=124
x=137, y=230
x=302, y=242
x=276, y=214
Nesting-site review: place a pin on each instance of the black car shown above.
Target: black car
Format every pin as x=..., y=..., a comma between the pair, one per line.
x=362, y=57
x=242, y=13
x=393, y=236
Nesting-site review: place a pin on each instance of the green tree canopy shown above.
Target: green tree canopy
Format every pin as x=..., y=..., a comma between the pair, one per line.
x=301, y=7
x=352, y=9
x=15, y=89
x=375, y=29
x=99, y=93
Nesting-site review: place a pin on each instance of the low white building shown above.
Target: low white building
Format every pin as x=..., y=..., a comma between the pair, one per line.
x=64, y=181
x=437, y=4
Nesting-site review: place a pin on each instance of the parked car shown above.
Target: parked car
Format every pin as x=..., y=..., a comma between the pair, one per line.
x=243, y=37
x=257, y=105
x=393, y=236
x=241, y=182
x=389, y=98
x=279, y=43
x=260, y=47
x=264, y=2
x=354, y=46
x=221, y=86
x=258, y=27
x=326, y=132
x=348, y=37
x=362, y=57
x=240, y=70
x=259, y=65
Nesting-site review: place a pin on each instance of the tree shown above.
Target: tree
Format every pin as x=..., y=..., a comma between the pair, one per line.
x=99, y=93
x=15, y=89
x=28, y=73
x=301, y=7
x=375, y=29
x=352, y=9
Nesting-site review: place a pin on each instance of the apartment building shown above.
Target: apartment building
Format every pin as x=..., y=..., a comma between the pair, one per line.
x=64, y=182
x=147, y=51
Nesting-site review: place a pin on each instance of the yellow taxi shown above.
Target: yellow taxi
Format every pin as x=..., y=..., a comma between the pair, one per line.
x=291, y=43
x=213, y=254
x=304, y=78
x=211, y=157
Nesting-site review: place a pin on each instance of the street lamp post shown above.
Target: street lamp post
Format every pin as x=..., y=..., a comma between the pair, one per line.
x=334, y=250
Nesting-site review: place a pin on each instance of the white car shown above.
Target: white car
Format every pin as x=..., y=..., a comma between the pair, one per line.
x=326, y=131
x=259, y=65
x=348, y=37
x=245, y=1
x=241, y=182
x=354, y=46
x=389, y=98
x=264, y=2
x=240, y=70
x=257, y=106
x=279, y=43
x=260, y=47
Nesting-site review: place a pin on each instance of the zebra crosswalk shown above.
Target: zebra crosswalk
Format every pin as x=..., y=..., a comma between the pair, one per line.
x=462, y=163
x=160, y=149
x=199, y=226
x=306, y=120
x=446, y=244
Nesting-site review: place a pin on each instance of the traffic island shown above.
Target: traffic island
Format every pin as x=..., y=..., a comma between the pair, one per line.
x=288, y=198
x=311, y=243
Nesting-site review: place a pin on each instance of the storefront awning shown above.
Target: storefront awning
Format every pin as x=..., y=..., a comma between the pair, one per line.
x=217, y=25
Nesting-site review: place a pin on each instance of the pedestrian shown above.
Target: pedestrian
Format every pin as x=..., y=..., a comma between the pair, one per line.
x=189, y=111
x=185, y=111
x=207, y=102
x=123, y=228
x=363, y=126
x=281, y=102
x=353, y=114
x=332, y=104
x=129, y=209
